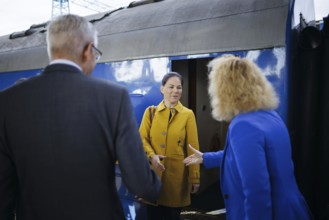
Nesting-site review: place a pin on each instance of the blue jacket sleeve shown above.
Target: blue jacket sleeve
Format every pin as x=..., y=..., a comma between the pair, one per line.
x=212, y=159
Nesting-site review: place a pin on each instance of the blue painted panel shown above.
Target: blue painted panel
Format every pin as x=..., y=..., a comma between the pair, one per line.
x=9, y=78
x=142, y=78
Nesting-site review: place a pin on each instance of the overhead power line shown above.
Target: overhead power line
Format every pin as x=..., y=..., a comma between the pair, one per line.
x=92, y=5
x=60, y=7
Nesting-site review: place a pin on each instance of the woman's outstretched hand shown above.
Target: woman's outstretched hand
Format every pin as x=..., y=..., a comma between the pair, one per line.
x=195, y=158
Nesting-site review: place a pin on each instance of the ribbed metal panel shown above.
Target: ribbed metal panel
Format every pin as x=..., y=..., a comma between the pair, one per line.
x=168, y=28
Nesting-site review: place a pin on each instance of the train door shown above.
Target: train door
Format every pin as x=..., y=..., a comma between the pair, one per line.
x=211, y=132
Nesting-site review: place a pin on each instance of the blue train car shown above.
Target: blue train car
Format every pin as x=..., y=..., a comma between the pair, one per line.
x=143, y=41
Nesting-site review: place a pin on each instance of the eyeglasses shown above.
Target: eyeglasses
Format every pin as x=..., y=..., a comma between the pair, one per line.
x=98, y=53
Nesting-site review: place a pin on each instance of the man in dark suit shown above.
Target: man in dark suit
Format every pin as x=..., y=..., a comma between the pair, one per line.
x=61, y=133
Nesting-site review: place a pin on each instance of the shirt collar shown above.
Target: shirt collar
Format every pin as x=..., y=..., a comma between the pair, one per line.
x=64, y=61
x=177, y=107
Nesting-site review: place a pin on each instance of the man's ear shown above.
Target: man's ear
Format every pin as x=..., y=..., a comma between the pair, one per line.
x=87, y=52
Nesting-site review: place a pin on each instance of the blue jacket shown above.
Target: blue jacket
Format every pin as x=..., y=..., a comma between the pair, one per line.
x=257, y=173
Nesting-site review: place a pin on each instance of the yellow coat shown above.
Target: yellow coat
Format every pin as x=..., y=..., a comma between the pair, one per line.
x=170, y=138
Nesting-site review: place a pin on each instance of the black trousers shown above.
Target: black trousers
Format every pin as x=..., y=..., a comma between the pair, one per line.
x=163, y=213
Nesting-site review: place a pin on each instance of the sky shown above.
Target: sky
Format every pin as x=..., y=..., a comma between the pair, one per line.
x=321, y=8
x=19, y=15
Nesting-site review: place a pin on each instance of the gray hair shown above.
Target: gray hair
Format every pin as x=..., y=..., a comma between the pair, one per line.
x=69, y=34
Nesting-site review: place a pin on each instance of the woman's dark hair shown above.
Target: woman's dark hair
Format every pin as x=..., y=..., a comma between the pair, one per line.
x=169, y=75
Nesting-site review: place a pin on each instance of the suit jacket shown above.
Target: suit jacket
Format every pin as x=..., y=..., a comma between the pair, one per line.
x=257, y=174
x=60, y=135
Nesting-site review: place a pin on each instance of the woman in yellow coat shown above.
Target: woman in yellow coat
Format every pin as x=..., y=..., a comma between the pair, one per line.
x=166, y=130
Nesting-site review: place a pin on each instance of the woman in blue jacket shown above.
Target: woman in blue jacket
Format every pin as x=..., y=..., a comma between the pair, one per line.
x=257, y=173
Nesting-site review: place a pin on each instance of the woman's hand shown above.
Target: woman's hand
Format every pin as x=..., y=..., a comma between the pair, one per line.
x=195, y=158
x=156, y=162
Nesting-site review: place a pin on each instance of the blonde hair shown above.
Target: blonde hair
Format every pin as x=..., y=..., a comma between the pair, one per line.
x=236, y=85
